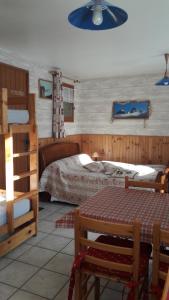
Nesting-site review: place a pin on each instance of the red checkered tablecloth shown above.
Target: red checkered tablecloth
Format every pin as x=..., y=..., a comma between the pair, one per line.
x=119, y=205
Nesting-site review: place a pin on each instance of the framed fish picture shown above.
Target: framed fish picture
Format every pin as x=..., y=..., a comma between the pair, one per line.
x=131, y=109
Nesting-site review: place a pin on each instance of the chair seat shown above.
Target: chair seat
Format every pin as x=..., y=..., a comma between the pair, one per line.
x=145, y=252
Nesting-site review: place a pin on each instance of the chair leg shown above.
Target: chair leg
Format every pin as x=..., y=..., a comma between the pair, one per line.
x=97, y=288
x=145, y=287
x=84, y=285
x=78, y=290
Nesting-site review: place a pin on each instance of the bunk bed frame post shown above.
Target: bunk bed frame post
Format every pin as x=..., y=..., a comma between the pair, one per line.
x=4, y=110
x=33, y=157
x=9, y=173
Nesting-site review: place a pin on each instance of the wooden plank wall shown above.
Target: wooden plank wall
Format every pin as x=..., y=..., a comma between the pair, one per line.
x=132, y=149
x=125, y=148
x=70, y=138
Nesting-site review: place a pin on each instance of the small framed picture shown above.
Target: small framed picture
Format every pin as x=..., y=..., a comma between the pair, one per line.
x=45, y=89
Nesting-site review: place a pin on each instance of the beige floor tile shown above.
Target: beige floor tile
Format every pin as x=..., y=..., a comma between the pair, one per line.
x=66, y=232
x=46, y=226
x=17, y=273
x=21, y=295
x=54, y=242
x=111, y=294
x=36, y=239
x=54, y=216
x=18, y=251
x=67, y=209
x=62, y=295
x=37, y=256
x=6, y=291
x=44, y=213
x=4, y=262
x=45, y=283
x=61, y=263
x=69, y=249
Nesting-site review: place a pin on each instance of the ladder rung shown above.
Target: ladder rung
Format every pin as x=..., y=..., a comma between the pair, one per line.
x=20, y=128
x=23, y=175
x=26, y=195
x=24, y=153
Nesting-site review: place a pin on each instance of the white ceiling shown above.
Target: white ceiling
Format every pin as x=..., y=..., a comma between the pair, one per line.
x=39, y=31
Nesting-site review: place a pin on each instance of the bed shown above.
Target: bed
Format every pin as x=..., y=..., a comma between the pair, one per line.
x=72, y=177
x=18, y=210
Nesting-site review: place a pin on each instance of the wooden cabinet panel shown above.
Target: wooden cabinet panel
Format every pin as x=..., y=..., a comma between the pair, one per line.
x=16, y=80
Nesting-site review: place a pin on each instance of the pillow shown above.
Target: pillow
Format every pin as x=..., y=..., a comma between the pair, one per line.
x=96, y=167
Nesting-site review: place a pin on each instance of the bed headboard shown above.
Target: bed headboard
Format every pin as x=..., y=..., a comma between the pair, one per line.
x=52, y=152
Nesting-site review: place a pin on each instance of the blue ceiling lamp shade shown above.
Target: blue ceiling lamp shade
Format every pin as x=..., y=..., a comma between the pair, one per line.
x=97, y=15
x=165, y=80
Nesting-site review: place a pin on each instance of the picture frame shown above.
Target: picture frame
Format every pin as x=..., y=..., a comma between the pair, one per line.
x=45, y=89
x=131, y=109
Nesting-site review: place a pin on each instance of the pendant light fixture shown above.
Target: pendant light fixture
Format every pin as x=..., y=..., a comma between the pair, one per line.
x=97, y=15
x=165, y=79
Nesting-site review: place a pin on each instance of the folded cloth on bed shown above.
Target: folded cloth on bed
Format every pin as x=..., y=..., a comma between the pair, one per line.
x=18, y=116
x=20, y=208
x=95, y=166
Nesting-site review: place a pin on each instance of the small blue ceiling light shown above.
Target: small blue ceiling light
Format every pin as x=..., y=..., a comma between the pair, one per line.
x=97, y=15
x=165, y=79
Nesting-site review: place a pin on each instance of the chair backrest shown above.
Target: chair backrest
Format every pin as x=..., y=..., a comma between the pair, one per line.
x=159, y=236
x=83, y=225
x=165, y=295
x=157, y=186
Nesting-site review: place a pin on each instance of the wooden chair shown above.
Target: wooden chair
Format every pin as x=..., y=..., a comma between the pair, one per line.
x=160, y=260
x=157, y=186
x=165, y=295
x=114, y=258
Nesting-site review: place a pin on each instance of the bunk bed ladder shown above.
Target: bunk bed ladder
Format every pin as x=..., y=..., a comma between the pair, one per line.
x=32, y=173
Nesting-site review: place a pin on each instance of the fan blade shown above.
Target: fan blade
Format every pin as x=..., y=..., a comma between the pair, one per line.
x=112, y=14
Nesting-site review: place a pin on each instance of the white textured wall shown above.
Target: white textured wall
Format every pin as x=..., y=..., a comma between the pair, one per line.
x=43, y=106
x=93, y=102
x=94, y=108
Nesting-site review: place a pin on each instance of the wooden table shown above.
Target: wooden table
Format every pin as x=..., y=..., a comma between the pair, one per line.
x=119, y=205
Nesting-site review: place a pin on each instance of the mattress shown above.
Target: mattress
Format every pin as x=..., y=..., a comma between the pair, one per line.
x=18, y=116
x=20, y=208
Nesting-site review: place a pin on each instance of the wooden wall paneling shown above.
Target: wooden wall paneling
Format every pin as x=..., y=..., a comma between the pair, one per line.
x=70, y=138
x=131, y=149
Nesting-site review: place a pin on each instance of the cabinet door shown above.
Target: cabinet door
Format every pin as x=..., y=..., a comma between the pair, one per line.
x=16, y=80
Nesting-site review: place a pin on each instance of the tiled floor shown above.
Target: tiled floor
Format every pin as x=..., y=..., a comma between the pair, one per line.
x=39, y=268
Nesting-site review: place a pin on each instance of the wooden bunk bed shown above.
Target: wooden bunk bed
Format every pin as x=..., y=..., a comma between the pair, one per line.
x=17, y=229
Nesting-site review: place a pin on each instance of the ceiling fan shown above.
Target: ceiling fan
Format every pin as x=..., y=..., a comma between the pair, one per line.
x=97, y=15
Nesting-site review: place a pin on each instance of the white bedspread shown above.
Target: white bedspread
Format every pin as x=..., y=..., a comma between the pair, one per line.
x=69, y=180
